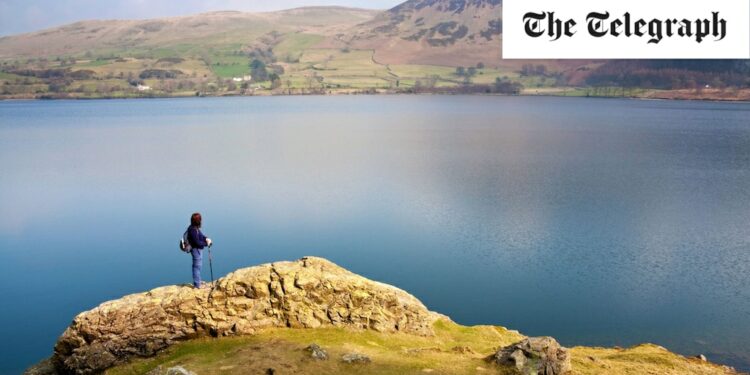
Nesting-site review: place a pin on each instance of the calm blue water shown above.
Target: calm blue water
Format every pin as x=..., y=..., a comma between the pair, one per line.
x=599, y=222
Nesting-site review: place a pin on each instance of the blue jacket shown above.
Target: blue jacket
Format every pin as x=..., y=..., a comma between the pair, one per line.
x=196, y=238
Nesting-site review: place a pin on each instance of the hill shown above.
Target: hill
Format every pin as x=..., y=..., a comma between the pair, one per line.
x=178, y=36
x=262, y=319
x=435, y=46
x=420, y=46
x=437, y=32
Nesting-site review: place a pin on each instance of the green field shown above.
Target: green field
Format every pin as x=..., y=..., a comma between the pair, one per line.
x=230, y=66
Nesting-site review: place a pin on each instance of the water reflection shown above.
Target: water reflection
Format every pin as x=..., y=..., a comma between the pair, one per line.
x=601, y=222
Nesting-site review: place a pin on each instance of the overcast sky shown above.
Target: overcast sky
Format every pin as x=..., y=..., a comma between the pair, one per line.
x=18, y=16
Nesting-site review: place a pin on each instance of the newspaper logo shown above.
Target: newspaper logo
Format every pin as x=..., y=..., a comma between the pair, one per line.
x=632, y=29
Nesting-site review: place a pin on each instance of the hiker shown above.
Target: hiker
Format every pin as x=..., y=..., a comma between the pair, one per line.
x=198, y=242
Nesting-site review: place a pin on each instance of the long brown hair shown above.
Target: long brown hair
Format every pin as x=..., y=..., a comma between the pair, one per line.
x=196, y=220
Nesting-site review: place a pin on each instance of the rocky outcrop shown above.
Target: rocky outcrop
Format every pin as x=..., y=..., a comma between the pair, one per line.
x=535, y=355
x=308, y=293
x=316, y=352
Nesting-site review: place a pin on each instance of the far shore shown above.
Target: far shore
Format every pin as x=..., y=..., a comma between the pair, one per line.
x=709, y=95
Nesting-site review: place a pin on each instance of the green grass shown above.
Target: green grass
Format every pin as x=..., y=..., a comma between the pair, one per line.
x=454, y=349
x=556, y=91
x=293, y=46
x=9, y=76
x=93, y=63
x=353, y=70
x=409, y=74
x=178, y=50
x=390, y=353
x=228, y=66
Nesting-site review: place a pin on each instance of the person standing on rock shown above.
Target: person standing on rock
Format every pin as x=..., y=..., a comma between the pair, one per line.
x=198, y=242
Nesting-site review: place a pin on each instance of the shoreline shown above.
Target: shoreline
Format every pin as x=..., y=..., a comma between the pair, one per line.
x=552, y=95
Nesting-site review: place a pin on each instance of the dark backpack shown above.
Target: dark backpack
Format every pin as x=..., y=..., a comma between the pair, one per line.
x=185, y=246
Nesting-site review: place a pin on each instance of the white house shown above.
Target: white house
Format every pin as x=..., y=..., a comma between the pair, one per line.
x=247, y=78
x=144, y=88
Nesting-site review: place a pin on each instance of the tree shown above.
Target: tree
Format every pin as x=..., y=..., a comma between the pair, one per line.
x=289, y=86
x=258, y=71
x=541, y=70
x=57, y=86
x=480, y=65
x=275, y=83
x=460, y=71
x=506, y=86
x=527, y=70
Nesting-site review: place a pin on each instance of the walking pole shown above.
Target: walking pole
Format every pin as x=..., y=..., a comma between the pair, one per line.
x=211, y=265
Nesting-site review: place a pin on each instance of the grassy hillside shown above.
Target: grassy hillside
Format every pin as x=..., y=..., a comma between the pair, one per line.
x=454, y=350
x=422, y=46
x=300, y=51
x=299, y=66
x=176, y=36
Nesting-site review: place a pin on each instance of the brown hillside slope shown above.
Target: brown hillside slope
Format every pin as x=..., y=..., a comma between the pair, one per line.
x=440, y=32
x=202, y=30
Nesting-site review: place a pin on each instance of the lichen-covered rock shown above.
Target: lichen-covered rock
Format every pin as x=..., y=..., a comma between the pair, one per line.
x=535, y=355
x=355, y=358
x=307, y=293
x=179, y=370
x=316, y=352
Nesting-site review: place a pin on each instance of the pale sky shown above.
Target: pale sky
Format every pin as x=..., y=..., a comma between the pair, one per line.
x=18, y=16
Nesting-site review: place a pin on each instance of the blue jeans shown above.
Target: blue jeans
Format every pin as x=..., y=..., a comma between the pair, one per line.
x=197, y=264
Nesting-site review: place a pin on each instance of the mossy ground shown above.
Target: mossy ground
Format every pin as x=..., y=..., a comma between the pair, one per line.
x=454, y=349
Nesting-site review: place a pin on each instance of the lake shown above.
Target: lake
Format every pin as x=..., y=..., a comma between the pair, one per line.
x=596, y=221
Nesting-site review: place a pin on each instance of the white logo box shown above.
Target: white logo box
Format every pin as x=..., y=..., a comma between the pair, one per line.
x=517, y=44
